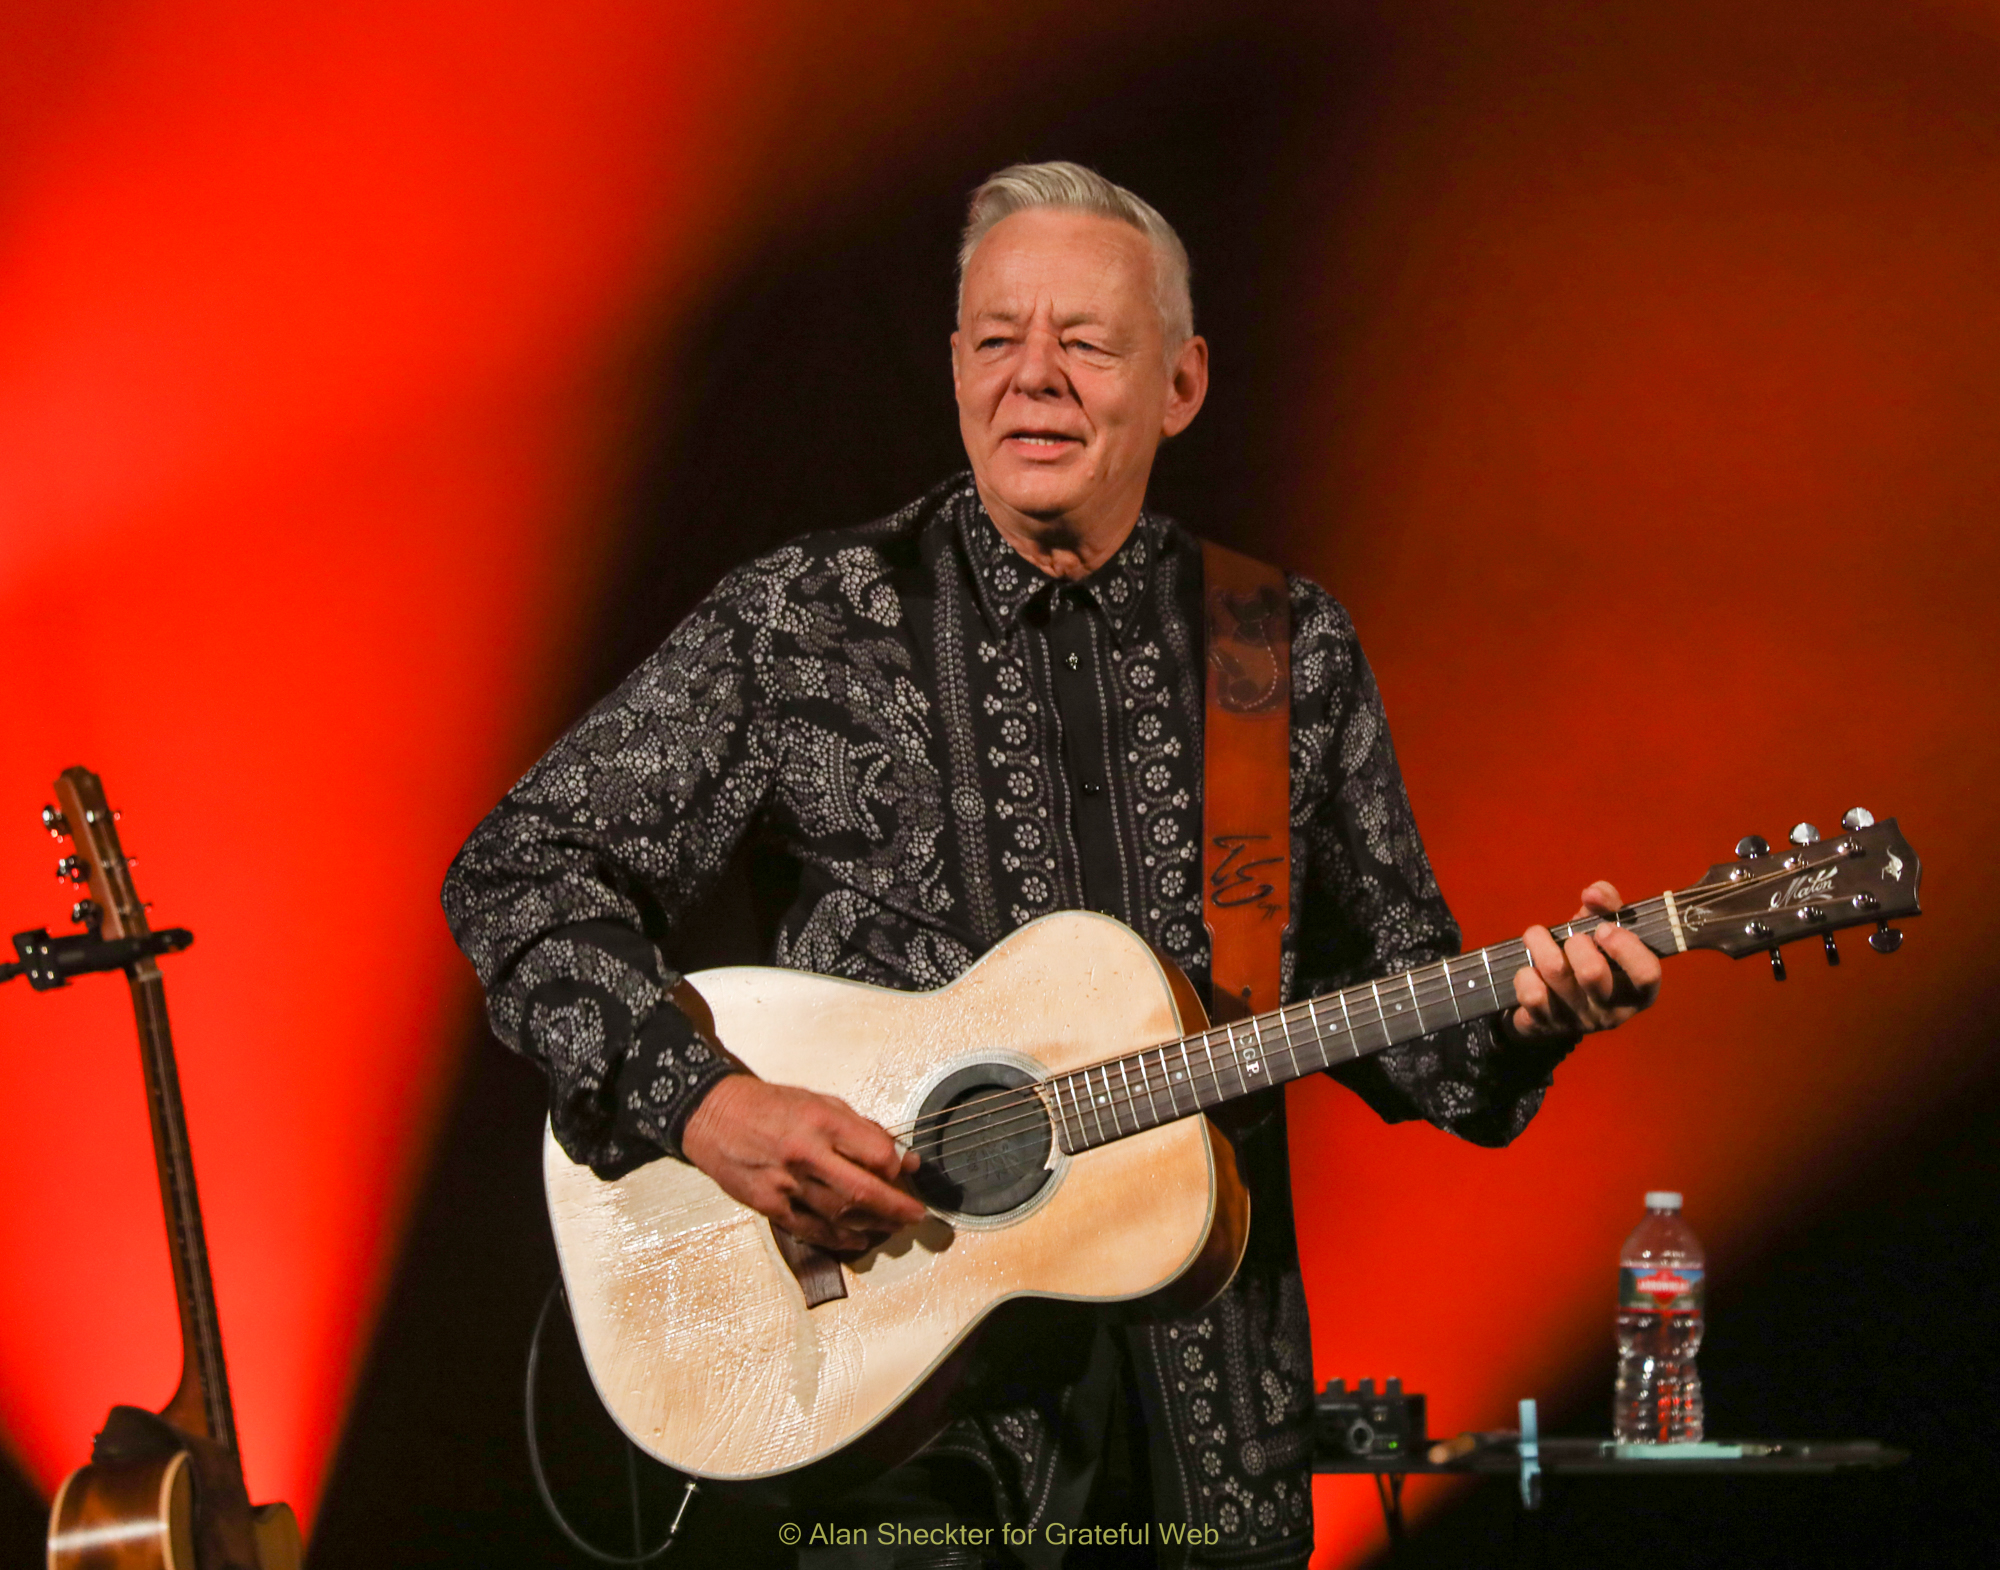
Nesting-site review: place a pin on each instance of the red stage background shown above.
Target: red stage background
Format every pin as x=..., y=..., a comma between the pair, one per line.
x=1638, y=389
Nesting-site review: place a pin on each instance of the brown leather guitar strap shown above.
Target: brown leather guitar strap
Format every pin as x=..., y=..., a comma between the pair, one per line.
x=1246, y=778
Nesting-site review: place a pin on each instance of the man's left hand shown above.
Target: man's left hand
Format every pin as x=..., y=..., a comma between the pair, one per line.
x=1595, y=981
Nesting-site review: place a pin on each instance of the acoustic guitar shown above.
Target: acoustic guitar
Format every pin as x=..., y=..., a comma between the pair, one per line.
x=163, y=1491
x=1055, y=1093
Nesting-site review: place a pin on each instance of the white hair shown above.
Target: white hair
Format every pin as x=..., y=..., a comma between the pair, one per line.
x=1071, y=188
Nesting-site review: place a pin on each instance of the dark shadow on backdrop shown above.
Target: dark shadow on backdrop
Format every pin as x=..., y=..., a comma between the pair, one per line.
x=24, y=1517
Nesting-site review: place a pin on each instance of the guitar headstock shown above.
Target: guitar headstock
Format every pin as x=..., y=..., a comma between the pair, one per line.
x=98, y=862
x=1808, y=887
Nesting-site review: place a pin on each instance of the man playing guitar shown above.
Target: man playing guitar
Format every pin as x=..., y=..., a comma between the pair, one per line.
x=979, y=711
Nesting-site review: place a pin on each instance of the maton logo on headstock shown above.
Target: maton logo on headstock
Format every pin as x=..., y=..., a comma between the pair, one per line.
x=1805, y=887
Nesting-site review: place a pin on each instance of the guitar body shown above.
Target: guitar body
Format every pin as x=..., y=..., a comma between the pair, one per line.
x=138, y=1514
x=697, y=1331
x=125, y=1515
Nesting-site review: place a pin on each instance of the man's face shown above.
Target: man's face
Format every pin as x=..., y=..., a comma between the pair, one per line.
x=1064, y=393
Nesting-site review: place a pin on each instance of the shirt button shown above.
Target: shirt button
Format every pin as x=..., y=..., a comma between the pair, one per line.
x=1071, y=661
x=1092, y=788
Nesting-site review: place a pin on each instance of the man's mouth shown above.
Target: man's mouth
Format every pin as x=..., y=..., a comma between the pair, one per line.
x=1043, y=441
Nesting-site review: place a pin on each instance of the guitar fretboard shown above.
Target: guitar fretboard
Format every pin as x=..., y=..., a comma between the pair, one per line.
x=1123, y=1096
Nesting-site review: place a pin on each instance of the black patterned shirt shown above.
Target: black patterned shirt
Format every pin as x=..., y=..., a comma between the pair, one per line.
x=945, y=743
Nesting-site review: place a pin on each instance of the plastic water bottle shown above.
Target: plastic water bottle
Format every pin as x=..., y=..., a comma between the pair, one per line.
x=1659, y=1329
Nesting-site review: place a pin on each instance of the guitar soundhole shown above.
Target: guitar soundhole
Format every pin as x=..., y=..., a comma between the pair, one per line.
x=984, y=1136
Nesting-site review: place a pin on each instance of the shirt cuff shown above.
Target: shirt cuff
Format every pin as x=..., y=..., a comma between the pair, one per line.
x=666, y=1074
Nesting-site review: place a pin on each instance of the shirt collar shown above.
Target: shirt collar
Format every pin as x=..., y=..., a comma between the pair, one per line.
x=1005, y=581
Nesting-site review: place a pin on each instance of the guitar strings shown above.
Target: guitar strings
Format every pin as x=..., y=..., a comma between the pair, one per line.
x=1203, y=1039
x=1642, y=912
x=1426, y=995
x=1024, y=1106
x=1003, y=1114
x=1425, y=982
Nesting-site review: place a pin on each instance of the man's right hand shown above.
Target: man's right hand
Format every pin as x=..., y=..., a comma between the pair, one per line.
x=809, y=1162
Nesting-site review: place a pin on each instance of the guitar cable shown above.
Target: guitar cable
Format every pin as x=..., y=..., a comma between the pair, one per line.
x=644, y=1556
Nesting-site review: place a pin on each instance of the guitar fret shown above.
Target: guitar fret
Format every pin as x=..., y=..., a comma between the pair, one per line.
x=1411, y=977
x=1451, y=991
x=1151, y=1105
x=1125, y=1080
x=1187, y=1076
x=1353, y=1050
x=1046, y=1094
x=1291, y=1051
x=1381, y=1014
x=1208, y=1046
x=1091, y=1100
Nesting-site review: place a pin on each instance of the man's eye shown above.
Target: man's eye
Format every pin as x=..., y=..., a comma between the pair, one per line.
x=1086, y=346
x=992, y=343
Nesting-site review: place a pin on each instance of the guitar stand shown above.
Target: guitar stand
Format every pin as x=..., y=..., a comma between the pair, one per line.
x=49, y=962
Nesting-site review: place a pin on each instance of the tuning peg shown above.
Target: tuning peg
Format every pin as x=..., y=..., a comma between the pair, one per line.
x=55, y=823
x=1885, y=939
x=1777, y=964
x=1856, y=818
x=1752, y=845
x=1803, y=834
x=71, y=867
x=1832, y=952
x=85, y=913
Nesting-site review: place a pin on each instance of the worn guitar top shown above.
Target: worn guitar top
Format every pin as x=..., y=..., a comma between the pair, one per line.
x=944, y=744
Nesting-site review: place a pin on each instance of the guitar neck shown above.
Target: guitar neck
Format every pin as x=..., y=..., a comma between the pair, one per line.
x=1128, y=1095
x=202, y=1403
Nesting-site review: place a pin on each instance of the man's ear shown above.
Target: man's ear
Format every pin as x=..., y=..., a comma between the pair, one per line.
x=954, y=366
x=1187, y=386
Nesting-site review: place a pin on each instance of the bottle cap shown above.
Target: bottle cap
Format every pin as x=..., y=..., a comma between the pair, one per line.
x=1663, y=1199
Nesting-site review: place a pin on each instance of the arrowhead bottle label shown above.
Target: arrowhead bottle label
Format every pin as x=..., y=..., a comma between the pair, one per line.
x=1664, y=1289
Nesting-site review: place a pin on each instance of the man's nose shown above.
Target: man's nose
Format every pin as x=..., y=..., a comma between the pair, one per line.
x=1038, y=372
